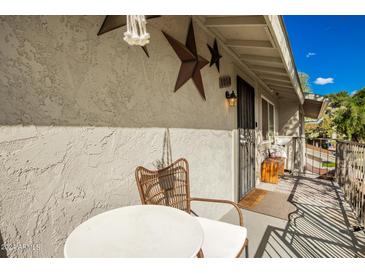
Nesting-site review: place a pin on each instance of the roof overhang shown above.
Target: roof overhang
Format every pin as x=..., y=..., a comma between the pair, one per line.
x=314, y=106
x=261, y=46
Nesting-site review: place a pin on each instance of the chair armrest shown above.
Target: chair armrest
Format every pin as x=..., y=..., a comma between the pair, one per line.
x=240, y=215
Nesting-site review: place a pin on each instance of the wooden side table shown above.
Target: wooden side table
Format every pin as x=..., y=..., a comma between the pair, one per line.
x=281, y=165
x=271, y=169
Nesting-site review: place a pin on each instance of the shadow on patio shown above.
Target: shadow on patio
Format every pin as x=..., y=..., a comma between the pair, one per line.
x=320, y=227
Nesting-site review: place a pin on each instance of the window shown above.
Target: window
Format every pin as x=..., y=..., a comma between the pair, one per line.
x=267, y=114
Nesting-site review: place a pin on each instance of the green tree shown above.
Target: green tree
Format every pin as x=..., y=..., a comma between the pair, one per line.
x=304, y=82
x=349, y=115
x=337, y=99
x=344, y=115
x=320, y=129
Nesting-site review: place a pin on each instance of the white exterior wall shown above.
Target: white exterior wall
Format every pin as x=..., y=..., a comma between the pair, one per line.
x=290, y=122
x=79, y=113
x=53, y=179
x=289, y=119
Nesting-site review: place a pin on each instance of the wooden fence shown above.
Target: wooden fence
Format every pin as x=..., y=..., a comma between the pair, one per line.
x=350, y=174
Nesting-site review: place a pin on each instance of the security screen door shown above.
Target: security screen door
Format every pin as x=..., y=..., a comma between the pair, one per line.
x=246, y=127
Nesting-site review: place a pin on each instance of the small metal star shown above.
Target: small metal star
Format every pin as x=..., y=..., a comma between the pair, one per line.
x=215, y=54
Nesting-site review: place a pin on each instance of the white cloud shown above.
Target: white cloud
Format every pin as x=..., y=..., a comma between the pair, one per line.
x=324, y=81
x=310, y=54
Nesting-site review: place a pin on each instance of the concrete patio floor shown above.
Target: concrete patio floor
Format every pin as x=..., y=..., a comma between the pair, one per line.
x=320, y=227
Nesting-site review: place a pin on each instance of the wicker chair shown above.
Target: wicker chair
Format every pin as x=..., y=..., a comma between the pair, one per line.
x=170, y=186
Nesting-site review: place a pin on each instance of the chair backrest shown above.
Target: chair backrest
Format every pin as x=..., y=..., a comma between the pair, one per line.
x=167, y=186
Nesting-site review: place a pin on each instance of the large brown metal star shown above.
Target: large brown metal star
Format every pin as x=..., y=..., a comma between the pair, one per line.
x=191, y=62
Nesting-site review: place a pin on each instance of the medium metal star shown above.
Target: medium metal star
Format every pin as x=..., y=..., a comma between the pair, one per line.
x=191, y=62
x=215, y=54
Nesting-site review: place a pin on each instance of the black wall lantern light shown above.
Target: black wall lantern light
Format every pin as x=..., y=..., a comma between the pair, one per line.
x=231, y=98
x=224, y=82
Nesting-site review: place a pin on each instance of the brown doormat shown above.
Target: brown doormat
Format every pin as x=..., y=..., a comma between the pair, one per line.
x=270, y=203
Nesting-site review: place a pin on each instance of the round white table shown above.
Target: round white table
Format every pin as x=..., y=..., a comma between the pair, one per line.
x=141, y=231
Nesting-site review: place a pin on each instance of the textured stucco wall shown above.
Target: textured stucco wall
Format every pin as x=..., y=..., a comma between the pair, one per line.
x=290, y=124
x=53, y=179
x=55, y=71
x=79, y=112
x=289, y=120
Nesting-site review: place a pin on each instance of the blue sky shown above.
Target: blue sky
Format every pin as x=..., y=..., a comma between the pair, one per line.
x=328, y=47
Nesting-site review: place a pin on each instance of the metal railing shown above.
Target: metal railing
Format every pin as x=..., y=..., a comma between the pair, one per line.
x=332, y=159
x=307, y=155
x=320, y=155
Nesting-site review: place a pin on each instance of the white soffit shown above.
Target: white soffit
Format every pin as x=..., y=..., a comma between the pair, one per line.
x=260, y=43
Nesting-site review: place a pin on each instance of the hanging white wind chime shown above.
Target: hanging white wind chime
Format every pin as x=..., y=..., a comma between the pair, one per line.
x=136, y=34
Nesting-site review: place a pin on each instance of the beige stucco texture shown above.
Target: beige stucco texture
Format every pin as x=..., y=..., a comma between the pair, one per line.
x=79, y=112
x=55, y=70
